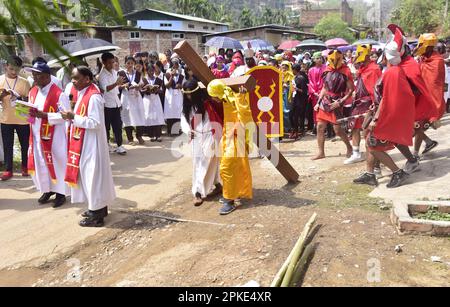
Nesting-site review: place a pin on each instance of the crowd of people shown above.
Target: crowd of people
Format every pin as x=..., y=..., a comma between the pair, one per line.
x=388, y=97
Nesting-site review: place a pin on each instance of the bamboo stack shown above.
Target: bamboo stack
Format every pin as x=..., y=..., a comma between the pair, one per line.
x=293, y=268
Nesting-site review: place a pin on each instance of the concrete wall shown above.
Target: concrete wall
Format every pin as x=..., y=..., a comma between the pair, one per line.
x=151, y=40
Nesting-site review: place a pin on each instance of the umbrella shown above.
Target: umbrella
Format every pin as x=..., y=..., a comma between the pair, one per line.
x=224, y=42
x=366, y=42
x=260, y=44
x=314, y=44
x=288, y=45
x=336, y=42
x=344, y=49
x=85, y=47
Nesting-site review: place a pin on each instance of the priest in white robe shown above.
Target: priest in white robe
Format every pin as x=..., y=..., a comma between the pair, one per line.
x=47, y=155
x=89, y=168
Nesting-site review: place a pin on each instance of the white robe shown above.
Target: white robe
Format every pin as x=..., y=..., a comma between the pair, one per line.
x=154, y=114
x=95, y=181
x=206, y=164
x=173, y=102
x=41, y=178
x=133, y=114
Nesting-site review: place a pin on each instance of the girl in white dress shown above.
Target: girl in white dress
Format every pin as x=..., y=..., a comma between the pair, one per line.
x=133, y=114
x=154, y=114
x=173, y=101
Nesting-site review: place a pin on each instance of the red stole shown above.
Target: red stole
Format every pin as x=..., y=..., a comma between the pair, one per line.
x=46, y=131
x=77, y=138
x=397, y=109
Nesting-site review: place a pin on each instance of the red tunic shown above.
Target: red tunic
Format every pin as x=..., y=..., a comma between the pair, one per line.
x=433, y=72
x=425, y=108
x=397, y=109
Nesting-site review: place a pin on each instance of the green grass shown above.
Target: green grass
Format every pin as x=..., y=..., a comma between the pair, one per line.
x=434, y=215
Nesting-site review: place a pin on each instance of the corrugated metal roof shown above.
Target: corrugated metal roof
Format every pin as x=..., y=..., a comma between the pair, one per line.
x=184, y=17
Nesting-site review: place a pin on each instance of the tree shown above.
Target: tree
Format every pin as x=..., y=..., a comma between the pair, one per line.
x=417, y=17
x=332, y=26
x=35, y=16
x=247, y=18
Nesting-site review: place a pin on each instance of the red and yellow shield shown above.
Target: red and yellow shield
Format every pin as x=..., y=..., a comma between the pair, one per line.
x=266, y=101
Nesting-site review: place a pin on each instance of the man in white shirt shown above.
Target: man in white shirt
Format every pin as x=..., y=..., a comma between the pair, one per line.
x=109, y=83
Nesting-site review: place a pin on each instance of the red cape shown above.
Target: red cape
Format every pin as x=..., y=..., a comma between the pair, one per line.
x=343, y=70
x=433, y=72
x=397, y=109
x=425, y=108
x=370, y=75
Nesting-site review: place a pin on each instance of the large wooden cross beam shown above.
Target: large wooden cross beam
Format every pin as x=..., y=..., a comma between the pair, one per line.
x=204, y=74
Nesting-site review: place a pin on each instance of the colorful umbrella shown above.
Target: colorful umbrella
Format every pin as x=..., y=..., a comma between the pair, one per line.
x=336, y=42
x=260, y=44
x=289, y=45
x=224, y=42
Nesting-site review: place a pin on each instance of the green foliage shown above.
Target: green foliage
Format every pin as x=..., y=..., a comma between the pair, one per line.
x=247, y=18
x=434, y=215
x=35, y=17
x=417, y=16
x=332, y=26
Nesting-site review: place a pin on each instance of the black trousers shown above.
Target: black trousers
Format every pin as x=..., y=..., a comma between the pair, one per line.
x=23, y=132
x=139, y=132
x=297, y=114
x=154, y=131
x=114, y=120
x=310, y=115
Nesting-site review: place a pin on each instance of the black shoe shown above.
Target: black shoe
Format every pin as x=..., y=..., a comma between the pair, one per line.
x=430, y=147
x=87, y=213
x=366, y=178
x=59, y=201
x=92, y=222
x=398, y=178
x=228, y=207
x=99, y=213
x=45, y=198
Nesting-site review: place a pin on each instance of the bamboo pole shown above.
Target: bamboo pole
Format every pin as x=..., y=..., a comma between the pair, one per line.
x=279, y=277
x=301, y=265
x=298, y=249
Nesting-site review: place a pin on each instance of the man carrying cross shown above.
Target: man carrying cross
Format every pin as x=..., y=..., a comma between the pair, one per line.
x=88, y=168
x=47, y=155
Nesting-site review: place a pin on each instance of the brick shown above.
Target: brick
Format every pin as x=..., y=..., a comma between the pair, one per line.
x=415, y=226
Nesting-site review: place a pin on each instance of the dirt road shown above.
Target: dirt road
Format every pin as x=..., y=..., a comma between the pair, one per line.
x=41, y=246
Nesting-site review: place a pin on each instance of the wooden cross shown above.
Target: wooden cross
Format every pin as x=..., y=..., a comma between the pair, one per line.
x=205, y=75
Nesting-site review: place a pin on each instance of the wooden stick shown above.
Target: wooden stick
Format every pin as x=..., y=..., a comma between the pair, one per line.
x=298, y=249
x=281, y=273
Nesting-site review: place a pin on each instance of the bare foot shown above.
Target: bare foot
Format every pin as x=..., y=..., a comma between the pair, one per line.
x=318, y=157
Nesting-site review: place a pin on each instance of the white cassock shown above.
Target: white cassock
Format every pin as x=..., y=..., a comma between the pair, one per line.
x=205, y=162
x=41, y=178
x=154, y=114
x=173, y=101
x=133, y=114
x=95, y=181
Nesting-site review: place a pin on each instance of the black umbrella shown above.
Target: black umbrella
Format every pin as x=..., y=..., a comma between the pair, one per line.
x=85, y=47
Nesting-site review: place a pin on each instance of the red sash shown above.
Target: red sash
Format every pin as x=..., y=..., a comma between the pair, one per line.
x=46, y=131
x=77, y=138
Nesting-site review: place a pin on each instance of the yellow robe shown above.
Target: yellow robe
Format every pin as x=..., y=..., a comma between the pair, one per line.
x=234, y=167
